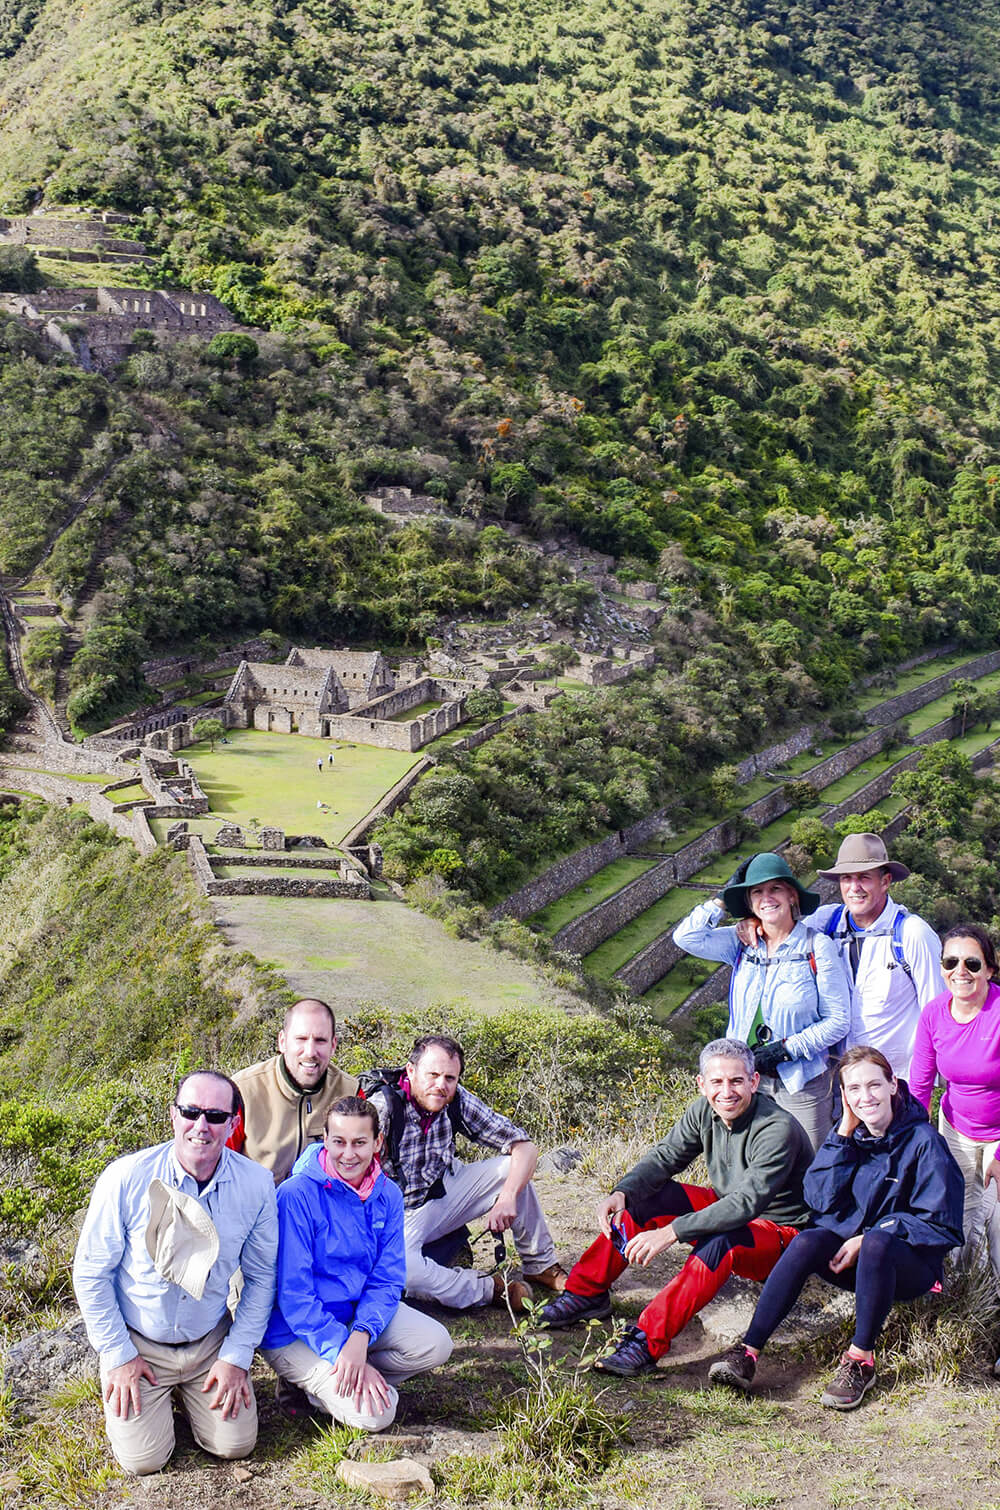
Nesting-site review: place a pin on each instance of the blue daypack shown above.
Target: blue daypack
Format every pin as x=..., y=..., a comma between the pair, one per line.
x=837, y=919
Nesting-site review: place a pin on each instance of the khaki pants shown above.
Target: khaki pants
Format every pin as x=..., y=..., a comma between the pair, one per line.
x=981, y=1210
x=410, y=1344
x=469, y=1192
x=812, y=1106
x=143, y=1443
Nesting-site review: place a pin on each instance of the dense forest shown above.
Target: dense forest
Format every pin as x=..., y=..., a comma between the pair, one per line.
x=708, y=287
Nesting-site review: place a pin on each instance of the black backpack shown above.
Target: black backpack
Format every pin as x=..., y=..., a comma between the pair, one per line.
x=451, y=1245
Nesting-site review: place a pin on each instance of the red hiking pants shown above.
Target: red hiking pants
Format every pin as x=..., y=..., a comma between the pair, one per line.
x=751, y=1251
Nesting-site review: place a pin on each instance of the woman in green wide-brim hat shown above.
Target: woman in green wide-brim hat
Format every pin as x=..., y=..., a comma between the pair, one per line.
x=789, y=997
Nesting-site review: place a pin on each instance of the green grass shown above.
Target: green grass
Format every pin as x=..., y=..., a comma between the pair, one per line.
x=602, y=885
x=973, y=743
x=405, y=717
x=273, y=777
x=676, y=986
x=84, y=780
x=611, y=955
x=943, y=706
x=840, y=790
x=130, y=793
x=914, y=678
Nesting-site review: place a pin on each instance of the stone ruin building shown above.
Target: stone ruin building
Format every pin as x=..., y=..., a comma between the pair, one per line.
x=361, y=674
x=95, y=326
x=349, y=695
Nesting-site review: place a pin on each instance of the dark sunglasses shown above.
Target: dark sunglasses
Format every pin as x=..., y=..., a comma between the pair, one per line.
x=210, y=1113
x=952, y=961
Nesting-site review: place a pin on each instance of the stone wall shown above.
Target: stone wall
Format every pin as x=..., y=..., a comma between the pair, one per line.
x=778, y=754
x=577, y=868
x=390, y=704
x=716, y=987
x=128, y=825
x=289, y=886
x=412, y=735
x=197, y=858
x=480, y=736
x=83, y=760
x=603, y=921
x=315, y=861
x=908, y=702
x=652, y=963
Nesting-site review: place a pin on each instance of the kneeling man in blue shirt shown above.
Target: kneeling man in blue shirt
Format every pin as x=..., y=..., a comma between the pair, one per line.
x=338, y=1329
x=174, y=1274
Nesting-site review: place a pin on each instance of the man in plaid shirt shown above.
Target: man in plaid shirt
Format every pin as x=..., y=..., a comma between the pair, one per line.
x=419, y=1114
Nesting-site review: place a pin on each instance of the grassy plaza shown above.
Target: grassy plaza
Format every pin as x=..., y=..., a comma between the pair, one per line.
x=275, y=779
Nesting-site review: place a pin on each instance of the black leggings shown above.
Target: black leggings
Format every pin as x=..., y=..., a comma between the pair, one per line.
x=888, y=1269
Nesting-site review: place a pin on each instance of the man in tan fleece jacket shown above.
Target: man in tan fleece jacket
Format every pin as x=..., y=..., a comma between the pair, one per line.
x=286, y=1097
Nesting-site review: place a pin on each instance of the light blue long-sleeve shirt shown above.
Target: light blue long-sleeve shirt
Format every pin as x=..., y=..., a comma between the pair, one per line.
x=117, y=1286
x=810, y=1010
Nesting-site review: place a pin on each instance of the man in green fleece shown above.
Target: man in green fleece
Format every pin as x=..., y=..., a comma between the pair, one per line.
x=756, y=1154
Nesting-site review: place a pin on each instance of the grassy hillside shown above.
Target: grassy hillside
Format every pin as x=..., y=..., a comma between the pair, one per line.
x=710, y=286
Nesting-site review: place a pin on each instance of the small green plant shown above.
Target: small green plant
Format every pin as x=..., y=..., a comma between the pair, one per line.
x=556, y=1436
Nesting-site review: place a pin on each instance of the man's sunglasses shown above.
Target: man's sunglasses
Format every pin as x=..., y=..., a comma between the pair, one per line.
x=210, y=1113
x=952, y=961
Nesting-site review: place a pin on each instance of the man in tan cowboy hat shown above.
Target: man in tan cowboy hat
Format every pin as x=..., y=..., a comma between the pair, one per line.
x=174, y=1274
x=892, y=956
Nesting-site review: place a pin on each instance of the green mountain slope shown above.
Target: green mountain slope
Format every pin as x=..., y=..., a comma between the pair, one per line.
x=710, y=287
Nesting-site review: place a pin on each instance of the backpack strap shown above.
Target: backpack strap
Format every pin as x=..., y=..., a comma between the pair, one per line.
x=897, y=943
x=732, y=978
x=834, y=921
x=373, y=1081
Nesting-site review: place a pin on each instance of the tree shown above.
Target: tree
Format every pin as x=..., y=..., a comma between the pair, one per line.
x=19, y=270
x=210, y=729
x=941, y=790
x=483, y=704
x=231, y=347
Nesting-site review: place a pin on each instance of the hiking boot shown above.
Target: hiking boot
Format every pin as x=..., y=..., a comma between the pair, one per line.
x=849, y=1385
x=293, y=1403
x=567, y=1309
x=507, y=1290
x=553, y=1278
x=736, y=1368
x=630, y=1357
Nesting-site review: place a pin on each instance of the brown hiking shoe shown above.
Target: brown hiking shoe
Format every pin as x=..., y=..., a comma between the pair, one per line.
x=510, y=1291
x=553, y=1278
x=736, y=1368
x=849, y=1385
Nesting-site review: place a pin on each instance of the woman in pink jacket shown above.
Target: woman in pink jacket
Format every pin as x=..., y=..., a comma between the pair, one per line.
x=958, y=1038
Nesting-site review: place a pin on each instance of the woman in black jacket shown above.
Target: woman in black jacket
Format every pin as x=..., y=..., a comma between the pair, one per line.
x=886, y=1197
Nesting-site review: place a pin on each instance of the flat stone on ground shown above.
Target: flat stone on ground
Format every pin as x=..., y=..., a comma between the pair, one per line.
x=394, y=1482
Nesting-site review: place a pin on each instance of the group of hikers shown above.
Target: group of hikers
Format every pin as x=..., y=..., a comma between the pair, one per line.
x=295, y=1207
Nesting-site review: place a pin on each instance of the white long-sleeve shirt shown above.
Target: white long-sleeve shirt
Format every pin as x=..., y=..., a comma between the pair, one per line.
x=886, y=1002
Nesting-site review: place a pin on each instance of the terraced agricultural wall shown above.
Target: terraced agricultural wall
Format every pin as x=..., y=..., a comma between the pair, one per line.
x=602, y=921
x=918, y=697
